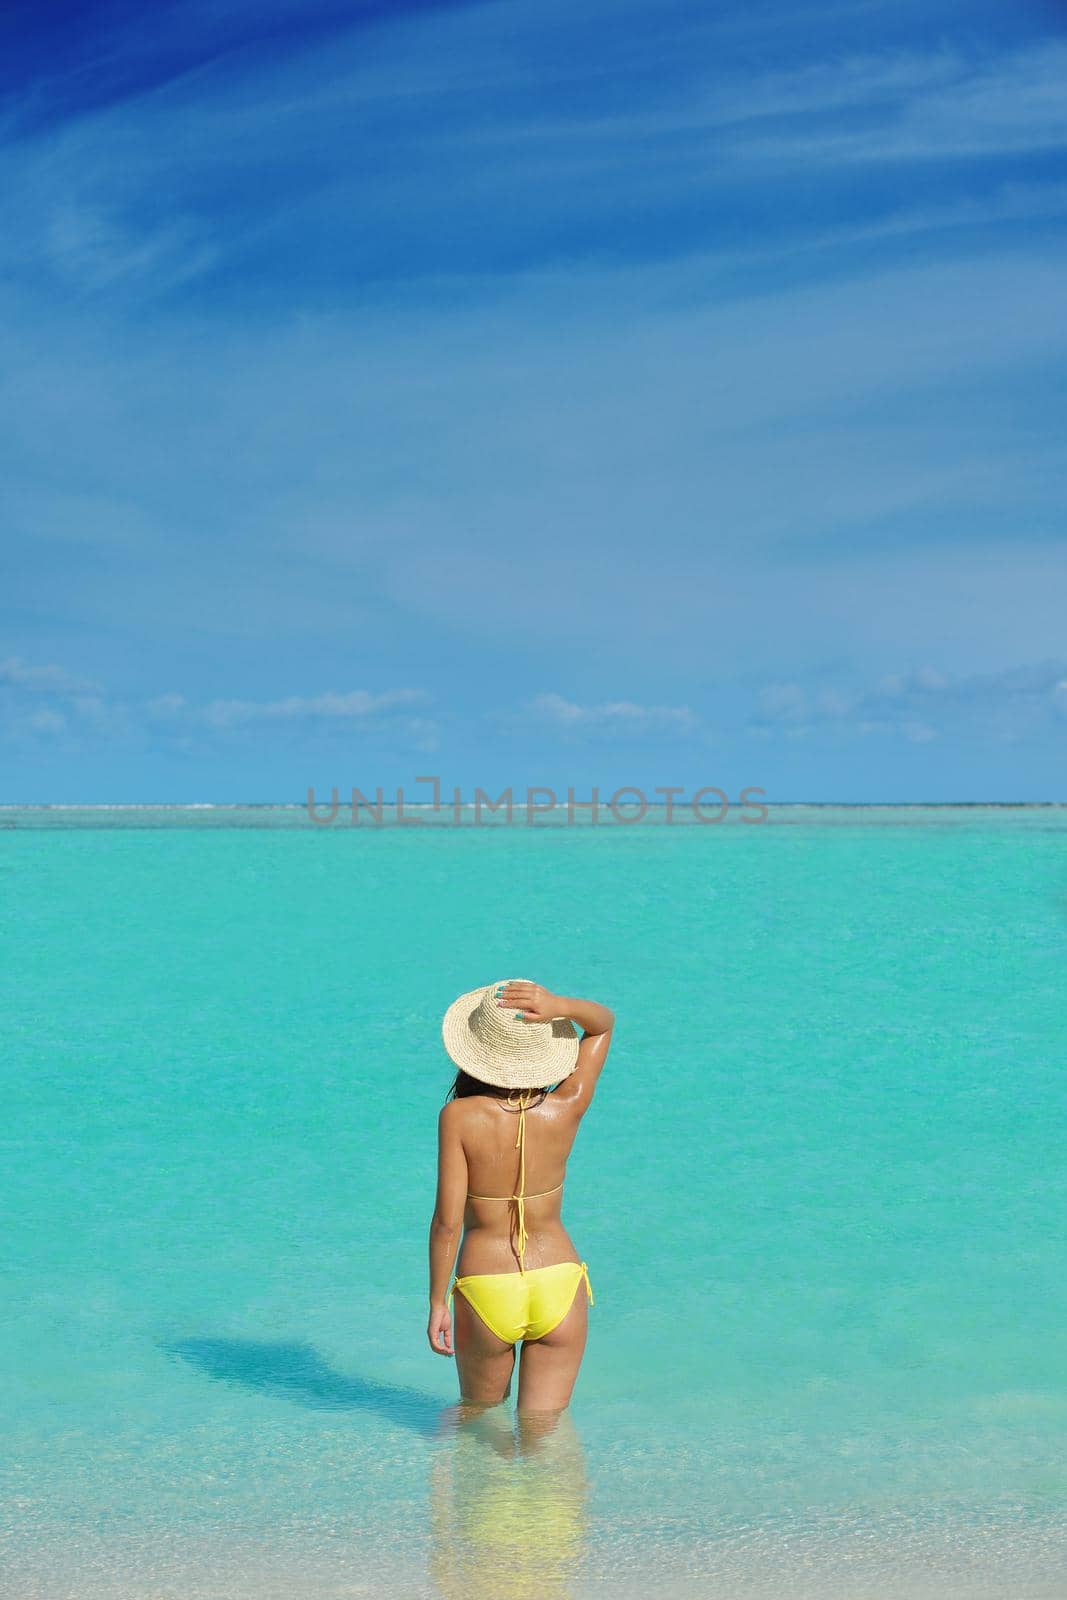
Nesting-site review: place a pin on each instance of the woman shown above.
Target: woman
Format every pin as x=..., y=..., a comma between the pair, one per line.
x=519, y=1273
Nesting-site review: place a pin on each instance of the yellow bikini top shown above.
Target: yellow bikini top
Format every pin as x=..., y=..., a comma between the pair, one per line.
x=520, y=1197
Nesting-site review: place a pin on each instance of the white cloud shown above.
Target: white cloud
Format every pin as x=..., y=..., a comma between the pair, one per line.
x=50, y=679
x=358, y=703
x=948, y=107
x=920, y=705
x=78, y=712
x=46, y=721
x=782, y=702
x=619, y=716
x=166, y=706
x=924, y=680
x=423, y=733
x=84, y=195
x=89, y=246
x=47, y=701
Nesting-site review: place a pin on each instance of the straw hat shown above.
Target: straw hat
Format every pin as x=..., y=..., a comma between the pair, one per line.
x=495, y=1046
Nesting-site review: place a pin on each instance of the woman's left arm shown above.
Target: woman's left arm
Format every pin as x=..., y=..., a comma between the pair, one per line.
x=447, y=1224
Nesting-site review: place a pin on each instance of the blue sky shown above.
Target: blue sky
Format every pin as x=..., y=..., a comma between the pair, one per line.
x=580, y=392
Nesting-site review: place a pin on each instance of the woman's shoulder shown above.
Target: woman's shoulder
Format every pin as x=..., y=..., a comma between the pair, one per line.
x=571, y=1098
x=463, y=1110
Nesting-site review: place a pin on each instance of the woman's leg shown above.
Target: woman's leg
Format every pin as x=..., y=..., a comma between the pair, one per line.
x=484, y=1362
x=548, y=1366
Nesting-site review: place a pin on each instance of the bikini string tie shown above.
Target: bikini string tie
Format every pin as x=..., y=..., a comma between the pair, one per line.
x=521, y=1235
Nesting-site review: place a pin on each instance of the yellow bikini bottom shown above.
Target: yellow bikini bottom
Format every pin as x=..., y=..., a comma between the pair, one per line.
x=524, y=1305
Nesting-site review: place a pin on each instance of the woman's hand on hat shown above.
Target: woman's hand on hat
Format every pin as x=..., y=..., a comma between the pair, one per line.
x=529, y=1001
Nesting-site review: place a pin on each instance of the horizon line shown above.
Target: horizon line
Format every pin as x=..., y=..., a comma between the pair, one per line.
x=427, y=805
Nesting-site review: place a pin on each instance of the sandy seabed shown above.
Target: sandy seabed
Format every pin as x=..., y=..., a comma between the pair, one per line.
x=886, y=1558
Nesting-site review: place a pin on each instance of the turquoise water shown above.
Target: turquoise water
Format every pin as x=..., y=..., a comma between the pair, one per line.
x=821, y=1193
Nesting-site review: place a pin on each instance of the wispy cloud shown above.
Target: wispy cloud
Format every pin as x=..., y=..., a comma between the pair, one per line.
x=922, y=705
x=657, y=345
x=615, y=717
x=458, y=109
x=354, y=708
x=74, y=712
x=1006, y=105
x=330, y=707
x=731, y=102
x=94, y=249
x=46, y=721
x=47, y=678
x=45, y=701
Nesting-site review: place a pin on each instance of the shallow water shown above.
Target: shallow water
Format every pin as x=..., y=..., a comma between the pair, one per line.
x=820, y=1193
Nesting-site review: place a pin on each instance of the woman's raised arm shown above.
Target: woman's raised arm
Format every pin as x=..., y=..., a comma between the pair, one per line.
x=537, y=1004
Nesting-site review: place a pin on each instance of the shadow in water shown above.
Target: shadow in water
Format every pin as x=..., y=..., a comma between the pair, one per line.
x=297, y=1372
x=508, y=1490
x=507, y=1505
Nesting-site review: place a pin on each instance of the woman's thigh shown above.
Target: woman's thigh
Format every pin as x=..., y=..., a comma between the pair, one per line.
x=549, y=1366
x=484, y=1362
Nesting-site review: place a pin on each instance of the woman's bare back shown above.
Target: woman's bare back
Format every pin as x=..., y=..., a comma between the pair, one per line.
x=489, y=1129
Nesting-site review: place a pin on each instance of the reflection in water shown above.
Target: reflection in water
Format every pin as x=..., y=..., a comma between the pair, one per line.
x=507, y=1505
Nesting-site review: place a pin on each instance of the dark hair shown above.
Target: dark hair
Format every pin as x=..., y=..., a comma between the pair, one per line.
x=464, y=1085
